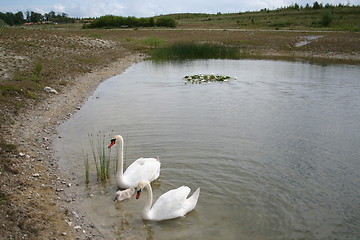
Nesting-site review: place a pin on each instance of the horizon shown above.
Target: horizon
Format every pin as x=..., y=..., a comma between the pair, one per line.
x=147, y=8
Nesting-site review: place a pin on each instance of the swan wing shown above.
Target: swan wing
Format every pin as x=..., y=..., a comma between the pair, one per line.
x=142, y=169
x=171, y=204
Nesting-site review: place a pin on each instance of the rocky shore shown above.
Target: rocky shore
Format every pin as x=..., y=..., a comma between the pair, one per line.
x=40, y=208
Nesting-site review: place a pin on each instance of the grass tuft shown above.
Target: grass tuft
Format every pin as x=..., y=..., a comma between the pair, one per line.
x=101, y=157
x=87, y=169
x=153, y=42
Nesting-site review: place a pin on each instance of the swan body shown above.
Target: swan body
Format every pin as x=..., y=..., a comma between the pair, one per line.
x=172, y=204
x=142, y=169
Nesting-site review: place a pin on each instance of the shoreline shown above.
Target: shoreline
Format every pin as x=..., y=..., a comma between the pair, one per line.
x=41, y=184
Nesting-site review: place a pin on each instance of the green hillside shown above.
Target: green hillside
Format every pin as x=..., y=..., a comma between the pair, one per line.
x=340, y=18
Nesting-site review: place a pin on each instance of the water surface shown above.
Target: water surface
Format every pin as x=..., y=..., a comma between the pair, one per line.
x=275, y=152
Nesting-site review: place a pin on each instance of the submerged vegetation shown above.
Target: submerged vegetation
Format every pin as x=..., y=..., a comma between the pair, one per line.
x=183, y=51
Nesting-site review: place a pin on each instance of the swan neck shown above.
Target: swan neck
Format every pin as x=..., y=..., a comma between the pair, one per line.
x=149, y=198
x=120, y=163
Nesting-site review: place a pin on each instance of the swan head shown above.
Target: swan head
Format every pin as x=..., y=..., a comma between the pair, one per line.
x=141, y=185
x=115, y=139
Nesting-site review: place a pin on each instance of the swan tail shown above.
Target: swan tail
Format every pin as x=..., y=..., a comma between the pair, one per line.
x=192, y=201
x=195, y=196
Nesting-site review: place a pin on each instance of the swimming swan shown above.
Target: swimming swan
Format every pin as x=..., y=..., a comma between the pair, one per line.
x=171, y=204
x=141, y=169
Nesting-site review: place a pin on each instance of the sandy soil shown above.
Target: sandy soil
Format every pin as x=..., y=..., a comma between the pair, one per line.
x=46, y=212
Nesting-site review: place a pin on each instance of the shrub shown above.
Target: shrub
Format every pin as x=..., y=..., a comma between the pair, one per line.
x=165, y=22
x=326, y=19
x=111, y=21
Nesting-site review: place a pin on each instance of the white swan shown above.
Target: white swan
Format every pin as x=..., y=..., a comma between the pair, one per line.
x=171, y=204
x=141, y=169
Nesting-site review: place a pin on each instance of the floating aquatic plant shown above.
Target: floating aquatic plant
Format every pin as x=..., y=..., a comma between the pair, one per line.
x=205, y=78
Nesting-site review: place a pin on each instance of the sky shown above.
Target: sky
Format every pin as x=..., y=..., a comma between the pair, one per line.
x=150, y=8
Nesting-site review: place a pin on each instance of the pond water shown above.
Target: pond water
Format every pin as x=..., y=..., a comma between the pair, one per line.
x=275, y=152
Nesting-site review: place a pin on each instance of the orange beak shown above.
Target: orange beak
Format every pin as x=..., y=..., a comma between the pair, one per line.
x=138, y=194
x=112, y=143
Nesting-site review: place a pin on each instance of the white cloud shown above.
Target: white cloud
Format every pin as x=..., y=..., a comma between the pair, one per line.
x=58, y=8
x=94, y=8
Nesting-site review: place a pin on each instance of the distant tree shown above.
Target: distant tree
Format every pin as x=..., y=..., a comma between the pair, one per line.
x=27, y=13
x=19, y=18
x=316, y=5
x=296, y=6
x=36, y=17
x=7, y=17
x=51, y=15
x=12, y=19
x=165, y=22
x=145, y=22
x=151, y=22
x=60, y=18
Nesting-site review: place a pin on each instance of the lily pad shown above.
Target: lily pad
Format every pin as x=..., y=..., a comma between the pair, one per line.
x=206, y=78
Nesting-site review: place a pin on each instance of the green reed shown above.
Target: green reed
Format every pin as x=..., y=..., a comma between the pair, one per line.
x=87, y=169
x=101, y=156
x=184, y=51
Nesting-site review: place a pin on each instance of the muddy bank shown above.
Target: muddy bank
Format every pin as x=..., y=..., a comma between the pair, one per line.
x=39, y=207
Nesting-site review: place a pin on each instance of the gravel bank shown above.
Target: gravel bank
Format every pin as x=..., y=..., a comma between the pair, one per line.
x=40, y=207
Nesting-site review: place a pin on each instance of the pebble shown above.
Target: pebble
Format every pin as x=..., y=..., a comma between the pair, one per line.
x=50, y=90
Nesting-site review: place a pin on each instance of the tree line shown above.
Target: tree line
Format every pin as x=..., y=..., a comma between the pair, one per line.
x=316, y=5
x=107, y=21
x=111, y=21
x=20, y=18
